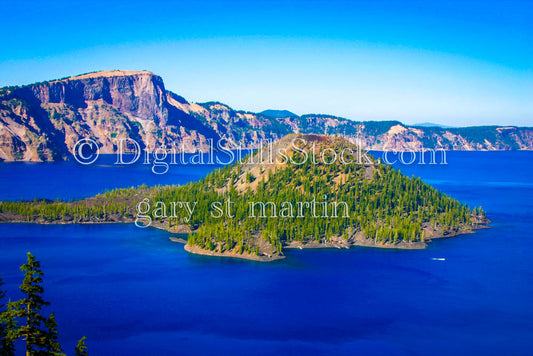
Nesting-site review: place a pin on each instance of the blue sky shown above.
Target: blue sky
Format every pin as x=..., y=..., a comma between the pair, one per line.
x=451, y=62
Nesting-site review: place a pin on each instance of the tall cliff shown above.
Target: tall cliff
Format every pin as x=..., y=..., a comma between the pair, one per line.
x=43, y=121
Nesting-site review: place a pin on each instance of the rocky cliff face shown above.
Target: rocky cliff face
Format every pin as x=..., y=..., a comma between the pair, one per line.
x=393, y=135
x=43, y=121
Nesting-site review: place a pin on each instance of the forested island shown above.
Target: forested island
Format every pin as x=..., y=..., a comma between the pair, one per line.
x=303, y=191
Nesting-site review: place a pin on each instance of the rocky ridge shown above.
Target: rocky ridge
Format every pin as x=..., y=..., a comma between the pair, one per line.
x=43, y=121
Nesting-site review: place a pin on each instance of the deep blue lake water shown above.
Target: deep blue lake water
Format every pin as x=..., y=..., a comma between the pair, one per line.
x=134, y=292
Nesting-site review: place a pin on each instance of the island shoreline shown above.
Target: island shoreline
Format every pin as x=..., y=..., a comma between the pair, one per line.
x=357, y=240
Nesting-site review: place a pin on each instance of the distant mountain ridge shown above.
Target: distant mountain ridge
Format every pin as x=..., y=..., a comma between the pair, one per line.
x=431, y=124
x=43, y=121
x=282, y=114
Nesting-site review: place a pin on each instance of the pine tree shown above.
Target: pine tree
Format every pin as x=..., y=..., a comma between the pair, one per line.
x=51, y=345
x=7, y=345
x=81, y=349
x=7, y=325
x=30, y=306
x=40, y=333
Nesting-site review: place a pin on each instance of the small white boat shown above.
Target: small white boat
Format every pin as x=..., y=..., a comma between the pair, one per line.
x=438, y=259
